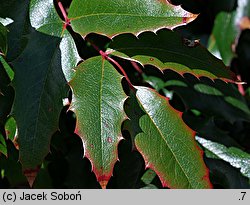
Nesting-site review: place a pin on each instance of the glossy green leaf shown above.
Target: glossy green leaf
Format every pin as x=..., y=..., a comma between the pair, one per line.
x=6, y=21
x=3, y=146
x=10, y=131
x=10, y=128
x=148, y=176
x=44, y=18
x=166, y=49
x=111, y=17
x=167, y=144
x=236, y=157
x=69, y=55
x=8, y=69
x=227, y=28
x=3, y=39
x=40, y=87
x=98, y=100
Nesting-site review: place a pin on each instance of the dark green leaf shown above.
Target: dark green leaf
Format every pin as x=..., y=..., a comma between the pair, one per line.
x=12, y=168
x=167, y=144
x=40, y=87
x=223, y=175
x=6, y=95
x=18, y=12
x=118, y=16
x=98, y=100
x=3, y=39
x=236, y=157
x=166, y=49
x=230, y=104
x=43, y=18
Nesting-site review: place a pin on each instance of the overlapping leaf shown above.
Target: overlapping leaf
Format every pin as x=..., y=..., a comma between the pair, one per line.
x=16, y=11
x=98, y=100
x=9, y=133
x=228, y=27
x=225, y=175
x=111, y=17
x=230, y=104
x=167, y=144
x=40, y=84
x=40, y=87
x=236, y=157
x=6, y=93
x=3, y=39
x=165, y=49
x=7, y=68
x=43, y=18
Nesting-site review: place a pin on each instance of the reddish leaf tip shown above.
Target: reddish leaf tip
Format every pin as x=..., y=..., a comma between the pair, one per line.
x=31, y=174
x=103, y=184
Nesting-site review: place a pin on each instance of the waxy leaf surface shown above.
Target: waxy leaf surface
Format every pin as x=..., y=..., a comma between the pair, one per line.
x=98, y=100
x=44, y=18
x=166, y=49
x=111, y=17
x=236, y=157
x=168, y=145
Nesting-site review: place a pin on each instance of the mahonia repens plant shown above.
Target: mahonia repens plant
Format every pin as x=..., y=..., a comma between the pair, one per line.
x=106, y=100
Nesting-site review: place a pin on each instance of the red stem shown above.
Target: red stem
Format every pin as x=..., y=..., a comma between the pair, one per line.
x=66, y=19
x=105, y=56
x=122, y=70
x=137, y=68
x=240, y=86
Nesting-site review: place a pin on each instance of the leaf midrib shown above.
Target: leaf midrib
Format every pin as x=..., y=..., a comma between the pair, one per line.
x=39, y=105
x=122, y=14
x=162, y=136
x=101, y=92
x=163, y=51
